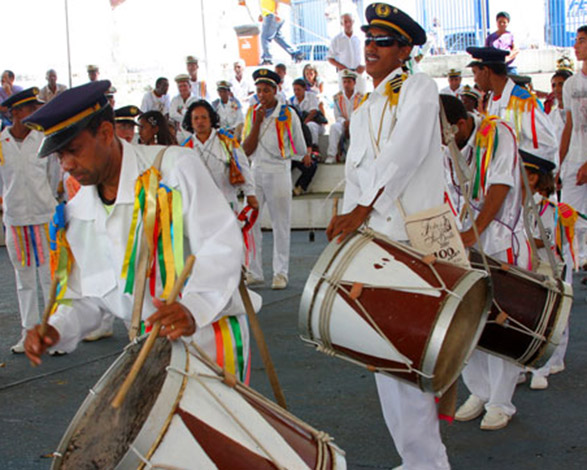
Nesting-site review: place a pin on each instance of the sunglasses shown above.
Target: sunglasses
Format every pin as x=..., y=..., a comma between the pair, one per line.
x=381, y=41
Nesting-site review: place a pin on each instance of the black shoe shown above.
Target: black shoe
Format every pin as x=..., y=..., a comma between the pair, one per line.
x=298, y=57
x=266, y=62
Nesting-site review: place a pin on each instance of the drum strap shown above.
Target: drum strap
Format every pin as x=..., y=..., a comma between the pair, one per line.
x=142, y=271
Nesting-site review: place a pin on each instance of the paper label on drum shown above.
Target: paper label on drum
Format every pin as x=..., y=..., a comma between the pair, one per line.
x=349, y=330
x=376, y=267
x=434, y=231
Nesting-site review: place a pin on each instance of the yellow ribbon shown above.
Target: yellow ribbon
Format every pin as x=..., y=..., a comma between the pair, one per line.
x=166, y=238
x=228, y=346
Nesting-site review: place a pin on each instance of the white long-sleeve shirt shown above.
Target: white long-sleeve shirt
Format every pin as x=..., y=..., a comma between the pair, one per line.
x=26, y=187
x=98, y=242
x=179, y=107
x=267, y=156
x=346, y=50
x=215, y=158
x=409, y=164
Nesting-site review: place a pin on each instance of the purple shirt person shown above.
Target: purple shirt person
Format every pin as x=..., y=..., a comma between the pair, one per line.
x=503, y=39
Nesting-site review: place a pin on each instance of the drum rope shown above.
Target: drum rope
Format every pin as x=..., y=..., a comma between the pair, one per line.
x=542, y=327
x=198, y=378
x=149, y=465
x=520, y=327
x=321, y=438
x=546, y=283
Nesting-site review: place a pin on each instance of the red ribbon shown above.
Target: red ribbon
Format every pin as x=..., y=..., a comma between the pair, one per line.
x=247, y=226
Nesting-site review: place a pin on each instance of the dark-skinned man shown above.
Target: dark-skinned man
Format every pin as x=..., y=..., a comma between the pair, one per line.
x=395, y=157
x=79, y=127
x=28, y=205
x=496, y=199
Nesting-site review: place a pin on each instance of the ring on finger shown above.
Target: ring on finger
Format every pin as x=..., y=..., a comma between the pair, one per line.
x=172, y=326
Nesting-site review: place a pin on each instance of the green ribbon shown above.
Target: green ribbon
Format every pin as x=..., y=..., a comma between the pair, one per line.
x=236, y=332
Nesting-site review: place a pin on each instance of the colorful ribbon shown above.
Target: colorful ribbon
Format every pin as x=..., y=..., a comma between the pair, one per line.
x=247, y=226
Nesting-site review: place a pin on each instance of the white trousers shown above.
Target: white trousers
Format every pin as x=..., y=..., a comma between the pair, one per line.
x=316, y=130
x=492, y=378
x=576, y=196
x=26, y=276
x=336, y=132
x=274, y=191
x=412, y=420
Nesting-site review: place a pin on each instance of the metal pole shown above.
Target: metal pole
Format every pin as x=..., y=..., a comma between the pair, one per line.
x=484, y=15
x=204, y=36
x=67, y=40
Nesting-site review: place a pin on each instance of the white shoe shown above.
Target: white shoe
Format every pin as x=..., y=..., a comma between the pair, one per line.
x=521, y=378
x=538, y=382
x=279, y=282
x=100, y=333
x=400, y=467
x=18, y=348
x=251, y=280
x=557, y=369
x=494, y=419
x=471, y=409
x=330, y=160
x=56, y=352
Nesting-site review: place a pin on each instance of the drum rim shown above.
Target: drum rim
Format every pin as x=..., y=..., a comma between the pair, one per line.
x=332, y=251
x=158, y=419
x=443, y=322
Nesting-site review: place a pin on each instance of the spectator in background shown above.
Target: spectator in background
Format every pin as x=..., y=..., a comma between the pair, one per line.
x=8, y=89
x=179, y=105
x=314, y=83
x=199, y=88
x=52, y=88
x=558, y=115
x=154, y=129
x=271, y=30
x=229, y=110
x=503, y=39
x=470, y=98
x=285, y=86
x=242, y=88
x=454, y=84
x=346, y=51
x=436, y=36
x=110, y=95
x=158, y=99
x=306, y=102
x=93, y=72
x=125, y=124
x=345, y=102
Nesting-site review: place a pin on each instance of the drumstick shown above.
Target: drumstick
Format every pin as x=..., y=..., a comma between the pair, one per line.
x=260, y=339
x=146, y=349
x=48, y=308
x=334, y=206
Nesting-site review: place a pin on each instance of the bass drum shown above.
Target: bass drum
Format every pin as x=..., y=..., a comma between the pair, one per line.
x=182, y=413
x=388, y=307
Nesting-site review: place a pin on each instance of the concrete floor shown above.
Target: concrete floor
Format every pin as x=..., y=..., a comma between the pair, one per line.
x=548, y=432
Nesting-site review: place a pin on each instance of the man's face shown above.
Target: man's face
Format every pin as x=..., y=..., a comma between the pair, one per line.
x=185, y=89
x=162, y=88
x=299, y=92
x=266, y=94
x=281, y=72
x=347, y=24
x=502, y=24
x=481, y=77
x=557, y=87
x=381, y=61
x=454, y=82
x=238, y=70
x=193, y=70
x=348, y=86
x=87, y=157
x=93, y=75
x=6, y=79
x=201, y=121
x=125, y=130
x=581, y=46
x=223, y=93
x=21, y=112
x=52, y=78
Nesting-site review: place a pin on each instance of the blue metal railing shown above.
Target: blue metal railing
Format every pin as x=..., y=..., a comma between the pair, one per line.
x=563, y=19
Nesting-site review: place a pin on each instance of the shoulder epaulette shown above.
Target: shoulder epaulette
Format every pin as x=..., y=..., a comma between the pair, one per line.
x=521, y=93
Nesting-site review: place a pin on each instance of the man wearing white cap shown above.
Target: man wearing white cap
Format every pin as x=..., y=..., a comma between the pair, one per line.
x=199, y=88
x=180, y=103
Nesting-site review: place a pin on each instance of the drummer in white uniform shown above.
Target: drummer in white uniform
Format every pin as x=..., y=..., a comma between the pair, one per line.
x=79, y=126
x=395, y=158
x=229, y=110
x=272, y=137
x=496, y=200
x=28, y=205
x=216, y=147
